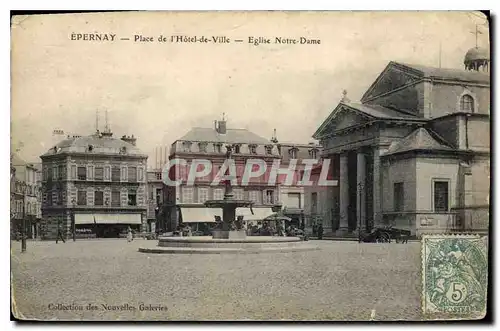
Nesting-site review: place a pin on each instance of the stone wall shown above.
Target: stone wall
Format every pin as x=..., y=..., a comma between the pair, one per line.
x=478, y=134
x=445, y=98
x=397, y=171
x=427, y=171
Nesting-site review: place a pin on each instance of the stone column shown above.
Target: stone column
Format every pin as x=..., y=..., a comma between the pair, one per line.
x=344, y=195
x=377, y=189
x=361, y=191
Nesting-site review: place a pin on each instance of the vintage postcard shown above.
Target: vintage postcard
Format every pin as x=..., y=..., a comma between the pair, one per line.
x=250, y=166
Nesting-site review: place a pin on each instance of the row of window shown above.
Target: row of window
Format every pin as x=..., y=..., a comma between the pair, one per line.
x=17, y=208
x=217, y=148
x=203, y=194
x=252, y=149
x=99, y=200
x=440, y=196
x=32, y=190
x=131, y=174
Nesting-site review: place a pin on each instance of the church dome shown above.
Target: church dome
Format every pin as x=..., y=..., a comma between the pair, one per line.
x=477, y=53
x=477, y=59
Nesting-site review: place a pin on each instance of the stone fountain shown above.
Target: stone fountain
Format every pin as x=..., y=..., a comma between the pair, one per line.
x=229, y=235
x=229, y=227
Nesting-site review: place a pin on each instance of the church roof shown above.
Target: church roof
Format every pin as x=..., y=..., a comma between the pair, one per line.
x=379, y=112
x=370, y=111
x=420, y=139
x=446, y=73
x=100, y=145
x=232, y=136
x=397, y=75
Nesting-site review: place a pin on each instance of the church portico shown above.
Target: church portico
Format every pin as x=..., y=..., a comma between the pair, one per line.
x=344, y=195
x=359, y=189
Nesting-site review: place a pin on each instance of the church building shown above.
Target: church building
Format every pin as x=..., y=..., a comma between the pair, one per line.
x=414, y=153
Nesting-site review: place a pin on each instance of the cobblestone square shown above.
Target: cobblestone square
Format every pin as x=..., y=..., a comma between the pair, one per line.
x=342, y=281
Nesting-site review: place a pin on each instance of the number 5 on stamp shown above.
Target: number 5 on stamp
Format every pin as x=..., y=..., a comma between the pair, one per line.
x=454, y=276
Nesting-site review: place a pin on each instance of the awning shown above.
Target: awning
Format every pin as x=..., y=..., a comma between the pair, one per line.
x=200, y=214
x=258, y=213
x=108, y=218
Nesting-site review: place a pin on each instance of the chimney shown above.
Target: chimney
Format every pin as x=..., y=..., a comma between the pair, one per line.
x=128, y=139
x=222, y=127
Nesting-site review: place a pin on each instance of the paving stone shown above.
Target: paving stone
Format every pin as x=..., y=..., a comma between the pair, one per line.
x=341, y=281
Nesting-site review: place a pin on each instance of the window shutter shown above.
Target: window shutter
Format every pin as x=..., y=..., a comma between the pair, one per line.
x=107, y=172
x=124, y=174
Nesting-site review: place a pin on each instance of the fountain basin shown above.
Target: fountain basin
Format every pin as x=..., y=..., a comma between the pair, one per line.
x=248, y=245
x=224, y=234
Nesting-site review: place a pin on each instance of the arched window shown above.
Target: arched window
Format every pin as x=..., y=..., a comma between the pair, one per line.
x=467, y=103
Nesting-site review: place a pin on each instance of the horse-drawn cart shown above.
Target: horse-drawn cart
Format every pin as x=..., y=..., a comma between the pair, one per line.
x=385, y=235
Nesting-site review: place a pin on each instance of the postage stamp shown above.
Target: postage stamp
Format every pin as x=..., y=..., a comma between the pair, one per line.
x=454, y=276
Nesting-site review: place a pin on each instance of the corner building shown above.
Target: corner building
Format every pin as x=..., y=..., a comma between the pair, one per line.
x=94, y=185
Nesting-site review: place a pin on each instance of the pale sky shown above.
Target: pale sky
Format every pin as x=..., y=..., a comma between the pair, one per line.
x=158, y=91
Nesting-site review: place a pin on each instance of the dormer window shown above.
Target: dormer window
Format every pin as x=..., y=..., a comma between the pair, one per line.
x=253, y=149
x=123, y=150
x=90, y=148
x=313, y=153
x=203, y=147
x=269, y=149
x=292, y=152
x=186, y=146
x=467, y=103
x=237, y=148
x=218, y=148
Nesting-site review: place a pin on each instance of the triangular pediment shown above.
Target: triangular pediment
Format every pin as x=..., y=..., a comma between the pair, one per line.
x=341, y=118
x=393, y=77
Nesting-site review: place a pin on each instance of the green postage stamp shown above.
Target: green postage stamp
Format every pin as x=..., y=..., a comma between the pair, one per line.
x=454, y=276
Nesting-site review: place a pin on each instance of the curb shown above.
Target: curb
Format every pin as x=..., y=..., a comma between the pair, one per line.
x=351, y=239
x=196, y=250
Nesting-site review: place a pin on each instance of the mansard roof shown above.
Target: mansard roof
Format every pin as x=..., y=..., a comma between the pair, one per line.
x=100, y=145
x=422, y=140
x=232, y=136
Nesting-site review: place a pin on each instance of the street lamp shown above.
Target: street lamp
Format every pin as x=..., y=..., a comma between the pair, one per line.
x=23, y=221
x=73, y=218
x=360, y=189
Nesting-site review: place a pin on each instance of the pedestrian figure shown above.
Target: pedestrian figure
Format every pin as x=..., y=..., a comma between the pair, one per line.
x=130, y=237
x=59, y=236
x=320, y=231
